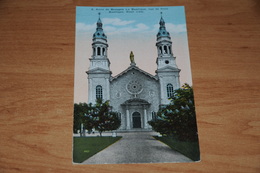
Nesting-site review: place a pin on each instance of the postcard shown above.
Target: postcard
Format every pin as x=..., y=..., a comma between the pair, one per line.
x=133, y=94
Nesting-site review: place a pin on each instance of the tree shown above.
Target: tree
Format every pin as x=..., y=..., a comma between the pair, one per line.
x=98, y=116
x=79, y=110
x=178, y=118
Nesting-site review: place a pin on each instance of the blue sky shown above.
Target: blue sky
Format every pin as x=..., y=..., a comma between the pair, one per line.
x=90, y=14
x=118, y=20
x=129, y=29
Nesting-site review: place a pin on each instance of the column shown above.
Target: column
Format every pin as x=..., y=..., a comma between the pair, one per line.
x=90, y=91
x=162, y=94
x=145, y=118
x=108, y=89
x=127, y=119
x=177, y=81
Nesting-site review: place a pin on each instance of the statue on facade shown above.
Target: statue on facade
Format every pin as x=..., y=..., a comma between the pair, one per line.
x=132, y=59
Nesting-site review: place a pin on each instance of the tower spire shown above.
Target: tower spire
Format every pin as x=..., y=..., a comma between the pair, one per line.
x=99, y=30
x=162, y=29
x=99, y=23
x=99, y=44
x=164, y=47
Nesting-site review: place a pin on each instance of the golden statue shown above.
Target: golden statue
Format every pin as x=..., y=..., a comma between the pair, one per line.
x=132, y=59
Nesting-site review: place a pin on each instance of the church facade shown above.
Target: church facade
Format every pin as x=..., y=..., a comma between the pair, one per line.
x=134, y=94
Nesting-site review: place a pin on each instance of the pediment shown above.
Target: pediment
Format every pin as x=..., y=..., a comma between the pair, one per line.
x=135, y=101
x=133, y=67
x=98, y=70
x=168, y=69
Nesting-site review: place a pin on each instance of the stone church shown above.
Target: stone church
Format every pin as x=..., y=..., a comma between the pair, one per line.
x=134, y=94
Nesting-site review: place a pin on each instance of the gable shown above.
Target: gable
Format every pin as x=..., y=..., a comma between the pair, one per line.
x=98, y=70
x=133, y=68
x=168, y=69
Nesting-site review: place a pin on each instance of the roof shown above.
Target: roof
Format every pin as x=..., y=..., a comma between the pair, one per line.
x=136, y=68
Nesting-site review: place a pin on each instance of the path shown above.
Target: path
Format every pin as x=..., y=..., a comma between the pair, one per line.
x=137, y=147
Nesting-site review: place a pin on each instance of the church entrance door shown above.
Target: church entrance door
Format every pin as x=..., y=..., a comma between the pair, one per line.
x=136, y=120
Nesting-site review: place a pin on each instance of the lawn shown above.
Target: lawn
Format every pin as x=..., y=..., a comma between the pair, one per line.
x=189, y=149
x=85, y=147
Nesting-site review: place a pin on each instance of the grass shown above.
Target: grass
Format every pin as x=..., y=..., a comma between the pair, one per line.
x=189, y=149
x=85, y=147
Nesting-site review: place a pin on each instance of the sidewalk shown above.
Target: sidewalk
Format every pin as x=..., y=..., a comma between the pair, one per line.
x=137, y=147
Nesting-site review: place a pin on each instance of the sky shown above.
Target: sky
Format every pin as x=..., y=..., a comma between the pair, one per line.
x=129, y=29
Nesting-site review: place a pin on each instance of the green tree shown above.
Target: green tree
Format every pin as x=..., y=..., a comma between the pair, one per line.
x=97, y=116
x=178, y=118
x=106, y=120
x=79, y=110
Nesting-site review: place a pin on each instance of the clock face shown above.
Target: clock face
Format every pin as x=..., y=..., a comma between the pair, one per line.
x=134, y=87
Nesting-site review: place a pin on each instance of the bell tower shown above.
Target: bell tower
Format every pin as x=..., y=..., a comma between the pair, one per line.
x=99, y=48
x=167, y=70
x=99, y=69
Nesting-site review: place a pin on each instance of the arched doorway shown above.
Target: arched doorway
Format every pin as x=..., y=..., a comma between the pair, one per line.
x=136, y=120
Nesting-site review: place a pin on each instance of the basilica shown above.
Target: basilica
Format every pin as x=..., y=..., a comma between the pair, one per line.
x=134, y=94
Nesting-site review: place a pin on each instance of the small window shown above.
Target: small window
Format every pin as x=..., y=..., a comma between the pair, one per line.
x=169, y=90
x=99, y=94
x=165, y=49
x=103, y=51
x=98, y=51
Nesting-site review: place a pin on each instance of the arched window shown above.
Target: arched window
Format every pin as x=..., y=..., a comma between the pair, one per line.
x=99, y=94
x=94, y=51
x=98, y=51
x=165, y=49
x=169, y=90
x=103, y=51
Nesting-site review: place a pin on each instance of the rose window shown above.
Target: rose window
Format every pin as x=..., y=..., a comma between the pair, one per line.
x=134, y=87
